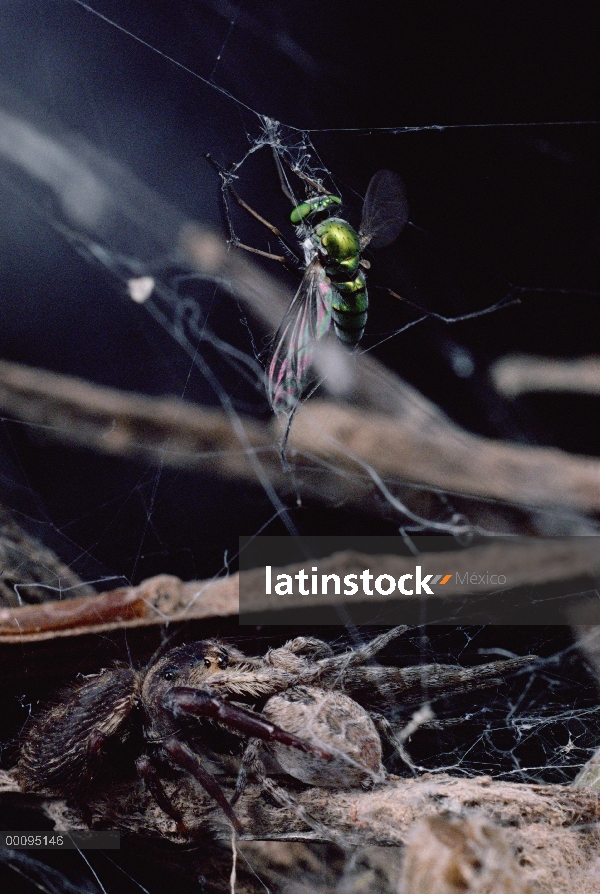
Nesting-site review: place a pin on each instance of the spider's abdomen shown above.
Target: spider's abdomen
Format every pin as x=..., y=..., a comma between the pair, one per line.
x=332, y=721
x=62, y=749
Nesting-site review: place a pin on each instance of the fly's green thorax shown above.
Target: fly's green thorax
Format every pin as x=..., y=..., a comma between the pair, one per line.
x=338, y=245
x=342, y=247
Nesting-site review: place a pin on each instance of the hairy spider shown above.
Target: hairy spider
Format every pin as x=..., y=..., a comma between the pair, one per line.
x=64, y=749
x=166, y=717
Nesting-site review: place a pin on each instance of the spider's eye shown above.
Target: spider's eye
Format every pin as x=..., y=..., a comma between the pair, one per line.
x=169, y=674
x=222, y=662
x=207, y=662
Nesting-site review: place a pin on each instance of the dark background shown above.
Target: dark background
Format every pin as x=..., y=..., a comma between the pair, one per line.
x=502, y=165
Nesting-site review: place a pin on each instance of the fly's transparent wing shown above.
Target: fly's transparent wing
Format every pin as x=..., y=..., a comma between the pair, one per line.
x=307, y=321
x=385, y=210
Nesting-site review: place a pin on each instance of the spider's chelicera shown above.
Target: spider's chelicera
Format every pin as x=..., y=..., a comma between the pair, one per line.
x=293, y=704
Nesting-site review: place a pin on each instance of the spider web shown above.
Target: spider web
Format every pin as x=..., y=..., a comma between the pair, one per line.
x=499, y=257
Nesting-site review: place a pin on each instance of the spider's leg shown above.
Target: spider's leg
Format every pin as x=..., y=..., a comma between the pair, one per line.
x=386, y=730
x=282, y=797
x=363, y=653
x=185, y=758
x=183, y=701
x=147, y=770
x=308, y=647
x=251, y=763
x=419, y=683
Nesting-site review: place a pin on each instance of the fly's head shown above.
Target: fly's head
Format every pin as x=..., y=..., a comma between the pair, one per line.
x=314, y=210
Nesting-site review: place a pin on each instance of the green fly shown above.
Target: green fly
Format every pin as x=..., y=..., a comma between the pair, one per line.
x=333, y=288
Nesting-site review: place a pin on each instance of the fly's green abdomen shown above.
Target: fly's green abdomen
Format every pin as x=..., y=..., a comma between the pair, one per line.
x=349, y=305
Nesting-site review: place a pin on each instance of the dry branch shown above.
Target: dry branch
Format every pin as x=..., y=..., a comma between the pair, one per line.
x=519, y=374
x=425, y=446
x=382, y=816
x=416, y=442
x=29, y=571
x=157, y=600
x=524, y=561
x=553, y=827
x=166, y=599
x=385, y=815
x=160, y=430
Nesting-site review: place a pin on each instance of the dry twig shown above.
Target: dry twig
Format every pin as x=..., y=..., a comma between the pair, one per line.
x=520, y=374
x=166, y=599
x=29, y=571
x=554, y=828
x=413, y=441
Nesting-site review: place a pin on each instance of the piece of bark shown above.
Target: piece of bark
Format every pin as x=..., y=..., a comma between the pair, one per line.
x=522, y=373
x=553, y=828
x=164, y=599
x=158, y=600
x=412, y=440
x=29, y=571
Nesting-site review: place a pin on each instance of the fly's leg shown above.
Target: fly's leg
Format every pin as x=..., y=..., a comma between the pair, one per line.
x=254, y=213
x=234, y=239
x=285, y=187
x=290, y=261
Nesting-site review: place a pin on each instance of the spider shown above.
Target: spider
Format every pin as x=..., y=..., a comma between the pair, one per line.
x=295, y=712
x=64, y=749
